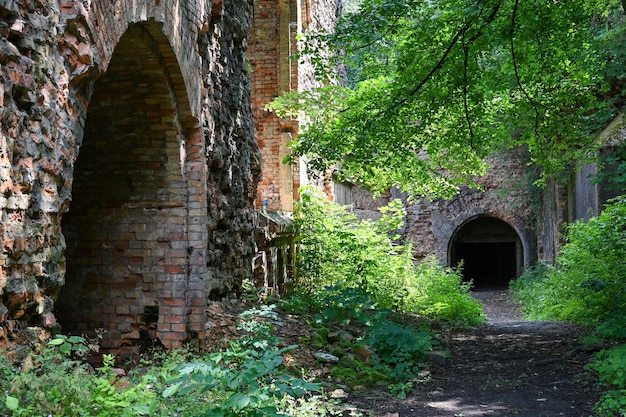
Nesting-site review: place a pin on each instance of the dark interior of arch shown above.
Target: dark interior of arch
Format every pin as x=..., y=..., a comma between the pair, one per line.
x=490, y=252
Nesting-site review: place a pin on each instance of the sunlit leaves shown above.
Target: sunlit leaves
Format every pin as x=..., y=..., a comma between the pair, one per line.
x=434, y=86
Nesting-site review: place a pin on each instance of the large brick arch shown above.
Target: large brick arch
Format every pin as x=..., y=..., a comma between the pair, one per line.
x=94, y=28
x=128, y=227
x=58, y=55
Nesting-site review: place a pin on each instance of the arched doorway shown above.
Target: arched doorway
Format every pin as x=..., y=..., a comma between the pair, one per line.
x=127, y=230
x=490, y=250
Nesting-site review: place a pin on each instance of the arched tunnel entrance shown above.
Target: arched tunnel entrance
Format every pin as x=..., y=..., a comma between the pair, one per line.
x=490, y=250
x=127, y=255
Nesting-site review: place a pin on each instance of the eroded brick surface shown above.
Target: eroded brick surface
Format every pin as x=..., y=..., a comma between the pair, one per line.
x=127, y=159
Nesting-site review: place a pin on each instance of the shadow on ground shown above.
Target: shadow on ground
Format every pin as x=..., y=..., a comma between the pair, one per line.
x=508, y=367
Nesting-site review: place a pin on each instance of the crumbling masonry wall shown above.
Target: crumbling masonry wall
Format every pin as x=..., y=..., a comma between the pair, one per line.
x=128, y=165
x=506, y=200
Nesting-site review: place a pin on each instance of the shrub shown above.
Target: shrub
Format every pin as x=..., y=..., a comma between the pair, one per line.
x=436, y=292
x=588, y=283
x=340, y=252
x=610, y=365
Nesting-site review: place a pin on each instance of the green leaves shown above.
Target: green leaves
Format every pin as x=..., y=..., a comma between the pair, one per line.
x=245, y=376
x=610, y=366
x=588, y=286
x=12, y=403
x=436, y=86
x=348, y=266
x=69, y=344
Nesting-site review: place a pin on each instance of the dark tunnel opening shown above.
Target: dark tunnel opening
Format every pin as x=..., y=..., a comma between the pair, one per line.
x=490, y=251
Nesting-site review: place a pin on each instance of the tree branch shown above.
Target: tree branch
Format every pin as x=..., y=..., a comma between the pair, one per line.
x=465, y=84
x=382, y=36
x=460, y=34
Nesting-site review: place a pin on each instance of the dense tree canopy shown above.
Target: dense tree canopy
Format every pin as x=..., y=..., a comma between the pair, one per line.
x=433, y=86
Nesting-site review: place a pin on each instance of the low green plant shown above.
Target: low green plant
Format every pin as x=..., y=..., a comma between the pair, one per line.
x=245, y=379
x=401, y=389
x=345, y=305
x=610, y=366
x=69, y=345
x=399, y=350
x=51, y=382
x=440, y=293
x=533, y=290
x=611, y=404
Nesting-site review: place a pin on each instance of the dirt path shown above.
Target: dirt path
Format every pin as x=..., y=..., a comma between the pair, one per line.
x=506, y=368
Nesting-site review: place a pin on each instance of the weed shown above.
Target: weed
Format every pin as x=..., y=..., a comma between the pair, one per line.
x=610, y=365
x=245, y=377
x=401, y=389
x=399, y=349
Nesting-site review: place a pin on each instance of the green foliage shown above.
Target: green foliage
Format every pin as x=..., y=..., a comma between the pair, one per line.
x=354, y=273
x=70, y=344
x=245, y=379
x=401, y=389
x=436, y=86
x=345, y=305
x=399, y=349
x=534, y=290
x=588, y=285
x=440, y=293
x=610, y=365
x=347, y=267
x=611, y=404
x=52, y=383
x=615, y=176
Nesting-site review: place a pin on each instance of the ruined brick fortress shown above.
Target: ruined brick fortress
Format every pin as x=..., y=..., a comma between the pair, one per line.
x=132, y=139
x=128, y=164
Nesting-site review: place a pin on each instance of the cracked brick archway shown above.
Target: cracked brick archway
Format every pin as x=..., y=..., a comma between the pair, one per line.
x=490, y=249
x=130, y=263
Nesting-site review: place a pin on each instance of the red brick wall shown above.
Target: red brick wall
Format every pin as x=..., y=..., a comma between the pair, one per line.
x=270, y=48
x=126, y=230
x=273, y=45
x=158, y=168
